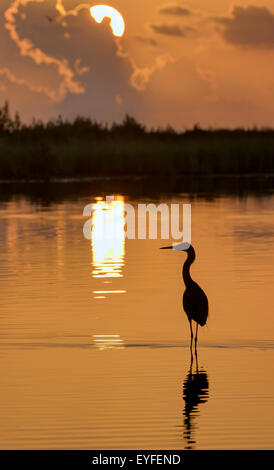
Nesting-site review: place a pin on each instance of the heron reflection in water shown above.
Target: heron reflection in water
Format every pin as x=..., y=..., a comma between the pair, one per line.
x=195, y=392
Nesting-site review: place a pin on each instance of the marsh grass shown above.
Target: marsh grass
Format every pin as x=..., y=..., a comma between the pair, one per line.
x=86, y=148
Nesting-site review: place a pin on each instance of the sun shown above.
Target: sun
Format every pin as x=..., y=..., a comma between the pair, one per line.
x=99, y=12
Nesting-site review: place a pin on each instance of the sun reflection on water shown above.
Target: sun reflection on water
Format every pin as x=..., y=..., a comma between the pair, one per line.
x=108, y=241
x=103, y=342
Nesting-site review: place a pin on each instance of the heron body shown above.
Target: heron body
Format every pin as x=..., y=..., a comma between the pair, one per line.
x=195, y=301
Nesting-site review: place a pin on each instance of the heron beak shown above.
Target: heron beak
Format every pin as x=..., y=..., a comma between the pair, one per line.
x=166, y=248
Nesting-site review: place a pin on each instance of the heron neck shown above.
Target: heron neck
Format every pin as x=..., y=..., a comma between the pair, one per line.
x=186, y=274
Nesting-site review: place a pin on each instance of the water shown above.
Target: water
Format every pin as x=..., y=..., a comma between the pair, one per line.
x=94, y=343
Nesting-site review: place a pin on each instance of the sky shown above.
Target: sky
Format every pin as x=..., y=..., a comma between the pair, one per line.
x=206, y=62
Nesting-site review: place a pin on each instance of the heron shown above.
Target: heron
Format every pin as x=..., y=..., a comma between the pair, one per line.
x=195, y=302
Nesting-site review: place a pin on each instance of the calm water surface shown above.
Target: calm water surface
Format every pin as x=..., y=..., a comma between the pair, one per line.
x=94, y=343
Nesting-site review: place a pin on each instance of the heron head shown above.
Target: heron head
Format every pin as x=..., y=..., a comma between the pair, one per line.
x=180, y=247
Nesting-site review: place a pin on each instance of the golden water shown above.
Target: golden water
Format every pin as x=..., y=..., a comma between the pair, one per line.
x=94, y=345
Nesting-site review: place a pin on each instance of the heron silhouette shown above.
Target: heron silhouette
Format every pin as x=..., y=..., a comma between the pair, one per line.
x=195, y=301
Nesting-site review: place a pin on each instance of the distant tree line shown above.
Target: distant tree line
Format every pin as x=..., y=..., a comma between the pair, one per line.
x=84, y=147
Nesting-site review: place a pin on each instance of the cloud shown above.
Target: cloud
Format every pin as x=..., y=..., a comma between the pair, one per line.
x=146, y=40
x=57, y=70
x=174, y=9
x=5, y=72
x=178, y=104
x=39, y=59
x=168, y=29
x=250, y=26
x=27, y=48
x=141, y=76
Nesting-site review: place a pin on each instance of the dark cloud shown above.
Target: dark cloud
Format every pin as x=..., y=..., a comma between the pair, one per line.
x=168, y=29
x=146, y=40
x=82, y=72
x=251, y=25
x=174, y=9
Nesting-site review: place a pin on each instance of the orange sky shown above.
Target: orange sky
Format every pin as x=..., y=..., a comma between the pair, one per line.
x=199, y=61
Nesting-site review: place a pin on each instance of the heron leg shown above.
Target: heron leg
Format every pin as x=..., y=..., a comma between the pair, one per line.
x=191, y=335
x=196, y=336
